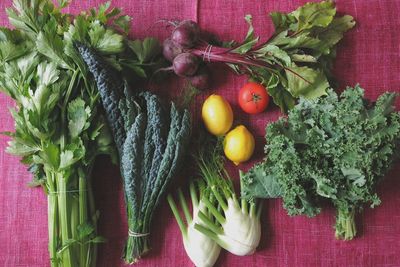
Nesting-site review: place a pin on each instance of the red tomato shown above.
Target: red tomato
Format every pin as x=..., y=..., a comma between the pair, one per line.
x=253, y=98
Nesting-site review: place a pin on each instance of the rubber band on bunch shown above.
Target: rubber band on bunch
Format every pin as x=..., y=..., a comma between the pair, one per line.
x=207, y=53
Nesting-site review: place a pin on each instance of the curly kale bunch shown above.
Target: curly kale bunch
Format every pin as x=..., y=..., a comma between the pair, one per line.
x=334, y=147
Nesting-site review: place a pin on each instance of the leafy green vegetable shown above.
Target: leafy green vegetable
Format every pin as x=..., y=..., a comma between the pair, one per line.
x=308, y=36
x=311, y=15
x=59, y=129
x=296, y=60
x=146, y=50
x=151, y=141
x=335, y=148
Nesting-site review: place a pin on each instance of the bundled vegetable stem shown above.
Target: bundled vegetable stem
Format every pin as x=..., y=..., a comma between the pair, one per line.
x=345, y=227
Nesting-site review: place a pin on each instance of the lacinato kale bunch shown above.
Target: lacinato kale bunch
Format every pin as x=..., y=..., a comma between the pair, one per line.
x=151, y=140
x=296, y=60
x=334, y=147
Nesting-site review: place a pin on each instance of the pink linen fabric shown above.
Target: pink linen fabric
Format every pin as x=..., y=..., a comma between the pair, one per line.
x=368, y=55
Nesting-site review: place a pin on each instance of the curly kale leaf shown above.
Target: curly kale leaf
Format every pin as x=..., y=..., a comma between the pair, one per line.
x=334, y=147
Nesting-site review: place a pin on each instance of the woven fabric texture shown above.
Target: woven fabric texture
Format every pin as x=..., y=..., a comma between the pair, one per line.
x=369, y=55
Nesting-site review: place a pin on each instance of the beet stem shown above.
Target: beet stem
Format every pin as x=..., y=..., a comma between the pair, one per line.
x=224, y=55
x=232, y=58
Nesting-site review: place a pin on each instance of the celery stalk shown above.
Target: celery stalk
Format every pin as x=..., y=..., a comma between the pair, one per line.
x=52, y=220
x=63, y=217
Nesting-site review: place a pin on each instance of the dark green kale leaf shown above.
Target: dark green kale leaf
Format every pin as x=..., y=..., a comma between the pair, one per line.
x=151, y=140
x=334, y=147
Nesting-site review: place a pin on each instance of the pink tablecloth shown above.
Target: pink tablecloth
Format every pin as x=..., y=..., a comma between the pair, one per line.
x=369, y=55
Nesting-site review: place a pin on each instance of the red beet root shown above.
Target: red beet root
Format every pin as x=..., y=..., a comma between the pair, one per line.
x=185, y=64
x=186, y=34
x=171, y=49
x=201, y=80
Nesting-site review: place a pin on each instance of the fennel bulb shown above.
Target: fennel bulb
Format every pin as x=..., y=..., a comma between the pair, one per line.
x=201, y=249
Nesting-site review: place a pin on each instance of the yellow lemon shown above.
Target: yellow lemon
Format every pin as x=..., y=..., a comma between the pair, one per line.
x=239, y=145
x=217, y=115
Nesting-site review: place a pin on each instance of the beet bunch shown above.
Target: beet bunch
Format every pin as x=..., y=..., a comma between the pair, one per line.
x=177, y=50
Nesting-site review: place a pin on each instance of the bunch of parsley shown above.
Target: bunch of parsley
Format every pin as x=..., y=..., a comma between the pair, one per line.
x=336, y=148
x=59, y=126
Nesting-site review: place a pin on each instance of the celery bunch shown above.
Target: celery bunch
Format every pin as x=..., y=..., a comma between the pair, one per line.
x=59, y=129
